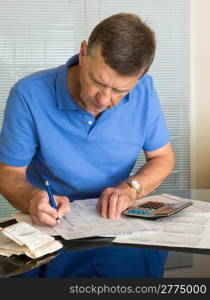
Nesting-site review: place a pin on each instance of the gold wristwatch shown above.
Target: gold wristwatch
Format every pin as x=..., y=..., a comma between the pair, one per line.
x=135, y=184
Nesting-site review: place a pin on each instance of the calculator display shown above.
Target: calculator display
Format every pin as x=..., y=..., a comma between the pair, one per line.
x=154, y=210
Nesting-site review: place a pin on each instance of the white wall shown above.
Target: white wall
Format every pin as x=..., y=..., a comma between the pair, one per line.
x=201, y=94
x=201, y=121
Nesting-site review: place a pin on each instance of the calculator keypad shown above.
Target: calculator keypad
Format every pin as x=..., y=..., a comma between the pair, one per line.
x=152, y=205
x=146, y=209
x=143, y=212
x=153, y=210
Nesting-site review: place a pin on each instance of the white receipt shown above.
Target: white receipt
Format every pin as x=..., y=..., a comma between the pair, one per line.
x=25, y=234
x=21, y=217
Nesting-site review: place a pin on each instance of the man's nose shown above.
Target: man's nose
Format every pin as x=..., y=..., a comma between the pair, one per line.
x=104, y=97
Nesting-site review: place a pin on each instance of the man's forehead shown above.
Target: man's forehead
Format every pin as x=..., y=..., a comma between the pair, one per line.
x=96, y=57
x=108, y=75
x=103, y=73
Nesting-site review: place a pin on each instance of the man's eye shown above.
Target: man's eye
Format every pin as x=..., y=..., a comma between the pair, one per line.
x=95, y=82
x=118, y=92
x=101, y=85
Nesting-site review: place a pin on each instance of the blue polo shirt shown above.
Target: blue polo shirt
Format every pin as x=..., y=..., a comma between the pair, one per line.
x=47, y=131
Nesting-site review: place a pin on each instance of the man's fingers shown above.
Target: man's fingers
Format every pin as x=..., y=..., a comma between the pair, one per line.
x=43, y=213
x=43, y=219
x=104, y=207
x=98, y=205
x=113, y=199
x=38, y=209
x=117, y=204
x=63, y=205
x=112, y=203
x=107, y=205
x=122, y=204
x=104, y=202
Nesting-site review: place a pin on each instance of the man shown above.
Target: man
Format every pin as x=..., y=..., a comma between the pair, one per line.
x=81, y=126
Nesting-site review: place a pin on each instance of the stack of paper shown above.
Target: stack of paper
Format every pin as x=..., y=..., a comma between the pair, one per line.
x=22, y=238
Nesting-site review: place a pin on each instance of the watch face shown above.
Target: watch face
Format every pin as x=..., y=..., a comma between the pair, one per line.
x=135, y=184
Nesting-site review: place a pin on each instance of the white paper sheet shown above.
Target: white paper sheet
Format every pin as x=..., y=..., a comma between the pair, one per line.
x=8, y=247
x=188, y=228
x=24, y=234
x=21, y=217
x=22, y=238
x=85, y=221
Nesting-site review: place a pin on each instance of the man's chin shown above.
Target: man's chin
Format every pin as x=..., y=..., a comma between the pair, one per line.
x=97, y=109
x=94, y=108
x=100, y=108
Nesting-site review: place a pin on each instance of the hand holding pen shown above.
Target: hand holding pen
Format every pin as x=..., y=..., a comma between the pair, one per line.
x=51, y=198
x=43, y=208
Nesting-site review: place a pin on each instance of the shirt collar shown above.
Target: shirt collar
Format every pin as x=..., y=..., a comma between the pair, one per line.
x=64, y=99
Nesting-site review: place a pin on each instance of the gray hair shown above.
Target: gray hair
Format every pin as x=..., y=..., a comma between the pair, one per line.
x=127, y=44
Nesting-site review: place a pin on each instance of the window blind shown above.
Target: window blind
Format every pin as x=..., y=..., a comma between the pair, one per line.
x=37, y=35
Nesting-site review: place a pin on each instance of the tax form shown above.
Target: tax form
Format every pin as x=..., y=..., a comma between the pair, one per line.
x=85, y=221
x=188, y=228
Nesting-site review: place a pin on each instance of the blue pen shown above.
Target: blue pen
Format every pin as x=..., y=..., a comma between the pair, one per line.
x=51, y=198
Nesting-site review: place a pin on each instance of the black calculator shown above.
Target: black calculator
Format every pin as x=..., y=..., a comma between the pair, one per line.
x=153, y=210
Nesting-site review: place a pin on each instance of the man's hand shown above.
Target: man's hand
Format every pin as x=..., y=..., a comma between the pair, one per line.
x=28, y=199
x=42, y=213
x=159, y=163
x=113, y=201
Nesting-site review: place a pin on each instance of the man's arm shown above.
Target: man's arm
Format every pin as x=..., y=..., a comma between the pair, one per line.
x=26, y=198
x=113, y=201
x=158, y=166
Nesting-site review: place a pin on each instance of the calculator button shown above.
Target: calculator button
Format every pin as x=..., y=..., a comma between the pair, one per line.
x=143, y=212
x=152, y=205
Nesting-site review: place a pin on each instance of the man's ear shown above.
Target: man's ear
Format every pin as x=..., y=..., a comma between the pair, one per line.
x=83, y=51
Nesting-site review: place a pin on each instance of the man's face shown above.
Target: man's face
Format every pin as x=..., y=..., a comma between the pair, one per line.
x=100, y=86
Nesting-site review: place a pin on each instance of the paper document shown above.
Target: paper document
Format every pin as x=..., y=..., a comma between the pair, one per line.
x=23, y=238
x=8, y=246
x=85, y=221
x=187, y=228
x=21, y=217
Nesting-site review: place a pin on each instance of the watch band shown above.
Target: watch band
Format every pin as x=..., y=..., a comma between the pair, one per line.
x=135, y=184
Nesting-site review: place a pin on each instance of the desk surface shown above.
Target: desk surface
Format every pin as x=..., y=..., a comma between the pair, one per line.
x=15, y=264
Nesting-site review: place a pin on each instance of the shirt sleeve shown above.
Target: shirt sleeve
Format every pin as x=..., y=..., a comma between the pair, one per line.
x=157, y=134
x=18, y=137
